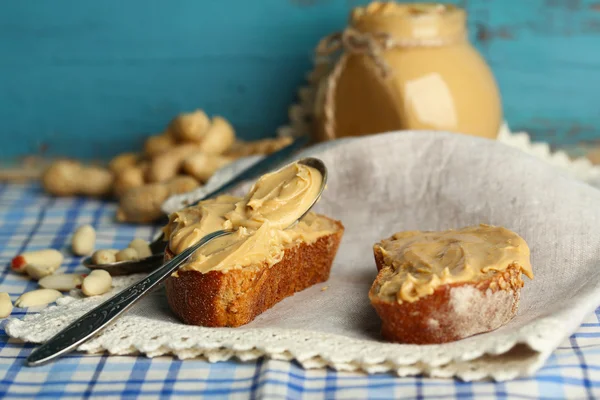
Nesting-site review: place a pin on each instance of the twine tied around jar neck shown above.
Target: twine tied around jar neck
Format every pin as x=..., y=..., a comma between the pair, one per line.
x=354, y=42
x=349, y=41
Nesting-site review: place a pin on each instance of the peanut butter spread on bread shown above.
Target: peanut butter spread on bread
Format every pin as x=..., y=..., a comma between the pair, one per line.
x=260, y=222
x=420, y=261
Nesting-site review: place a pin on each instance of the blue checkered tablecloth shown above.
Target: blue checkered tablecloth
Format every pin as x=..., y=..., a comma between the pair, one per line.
x=30, y=220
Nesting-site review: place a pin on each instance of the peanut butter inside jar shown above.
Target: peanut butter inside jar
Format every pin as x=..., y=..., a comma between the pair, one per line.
x=405, y=66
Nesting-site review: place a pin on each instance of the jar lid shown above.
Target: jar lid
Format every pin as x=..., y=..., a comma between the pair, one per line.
x=411, y=22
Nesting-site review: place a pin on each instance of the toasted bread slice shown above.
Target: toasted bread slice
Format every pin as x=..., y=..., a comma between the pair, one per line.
x=236, y=297
x=452, y=312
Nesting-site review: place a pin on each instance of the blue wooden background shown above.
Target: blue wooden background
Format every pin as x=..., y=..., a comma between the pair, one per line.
x=92, y=78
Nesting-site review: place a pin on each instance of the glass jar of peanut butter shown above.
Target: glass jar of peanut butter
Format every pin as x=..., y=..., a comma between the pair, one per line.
x=405, y=66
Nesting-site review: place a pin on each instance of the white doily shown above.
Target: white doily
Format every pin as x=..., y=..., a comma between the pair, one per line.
x=579, y=168
x=441, y=181
x=520, y=353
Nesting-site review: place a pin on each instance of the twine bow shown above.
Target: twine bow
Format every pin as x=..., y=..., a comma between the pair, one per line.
x=350, y=41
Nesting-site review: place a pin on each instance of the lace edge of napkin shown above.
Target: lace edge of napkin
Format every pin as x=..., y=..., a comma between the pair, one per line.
x=500, y=357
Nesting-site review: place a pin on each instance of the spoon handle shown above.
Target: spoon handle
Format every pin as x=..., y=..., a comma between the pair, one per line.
x=97, y=319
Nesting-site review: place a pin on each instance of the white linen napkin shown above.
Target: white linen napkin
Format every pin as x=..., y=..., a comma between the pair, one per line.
x=379, y=185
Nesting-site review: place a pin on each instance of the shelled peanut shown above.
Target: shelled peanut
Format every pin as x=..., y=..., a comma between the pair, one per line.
x=61, y=282
x=84, y=240
x=127, y=254
x=39, y=297
x=6, y=305
x=48, y=259
x=36, y=264
x=96, y=283
x=104, y=256
x=141, y=247
x=192, y=148
x=37, y=272
x=137, y=249
x=42, y=264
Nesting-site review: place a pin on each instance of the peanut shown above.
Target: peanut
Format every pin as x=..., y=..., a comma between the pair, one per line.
x=166, y=165
x=141, y=247
x=5, y=305
x=37, y=297
x=123, y=161
x=129, y=178
x=128, y=254
x=62, y=282
x=84, y=240
x=190, y=127
x=95, y=181
x=104, y=256
x=156, y=145
x=62, y=178
x=48, y=257
x=272, y=145
x=219, y=137
x=203, y=166
x=181, y=184
x=142, y=204
x=264, y=146
x=38, y=271
x=69, y=178
x=96, y=283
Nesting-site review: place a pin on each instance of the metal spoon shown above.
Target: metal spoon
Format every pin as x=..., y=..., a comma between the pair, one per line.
x=159, y=244
x=97, y=319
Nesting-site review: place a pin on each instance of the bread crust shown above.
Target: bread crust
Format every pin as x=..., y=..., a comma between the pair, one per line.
x=454, y=311
x=236, y=297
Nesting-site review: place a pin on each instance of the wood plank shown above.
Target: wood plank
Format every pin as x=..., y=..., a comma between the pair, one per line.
x=90, y=79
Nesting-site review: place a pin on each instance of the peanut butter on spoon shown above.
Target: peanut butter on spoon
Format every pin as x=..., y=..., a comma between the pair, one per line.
x=259, y=219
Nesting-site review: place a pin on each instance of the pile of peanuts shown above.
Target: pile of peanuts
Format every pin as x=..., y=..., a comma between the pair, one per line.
x=41, y=266
x=181, y=159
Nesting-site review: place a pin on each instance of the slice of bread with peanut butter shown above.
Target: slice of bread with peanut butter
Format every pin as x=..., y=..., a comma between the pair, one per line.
x=436, y=287
x=234, y=278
